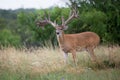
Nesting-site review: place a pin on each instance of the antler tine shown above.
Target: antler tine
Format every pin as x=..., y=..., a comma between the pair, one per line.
x=70, y=13
x=73, y=14
x=63, y=20
x=52, y=23
x=47, y=18
x=76, y=12
x=45, y=14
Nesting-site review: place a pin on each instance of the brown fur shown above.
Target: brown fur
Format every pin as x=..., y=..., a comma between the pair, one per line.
x=70, y=43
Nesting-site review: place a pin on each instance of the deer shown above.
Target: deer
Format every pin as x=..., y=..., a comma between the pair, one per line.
x=72, y=43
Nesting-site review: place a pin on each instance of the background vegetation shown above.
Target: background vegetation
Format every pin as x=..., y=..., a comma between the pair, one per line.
x=18, y=27
x=41, y=60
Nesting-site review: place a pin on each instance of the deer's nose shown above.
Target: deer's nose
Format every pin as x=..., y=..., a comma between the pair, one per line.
x=57, y=33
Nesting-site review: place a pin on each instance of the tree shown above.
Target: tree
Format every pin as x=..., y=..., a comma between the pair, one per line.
x=111, y=22
x=7, y=38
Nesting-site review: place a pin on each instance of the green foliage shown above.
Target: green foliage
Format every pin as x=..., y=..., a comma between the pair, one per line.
x=102, y=17
x=112, y=9
x=94, y=21
x=9, y=39
x=36, y=35
x=2, y=23
x=31, y=34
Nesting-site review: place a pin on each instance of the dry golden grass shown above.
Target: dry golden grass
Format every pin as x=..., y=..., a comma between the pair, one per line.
x=40, y=60
x=44, y=60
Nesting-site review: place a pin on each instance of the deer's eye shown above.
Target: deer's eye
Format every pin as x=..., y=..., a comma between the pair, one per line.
x=61, y=29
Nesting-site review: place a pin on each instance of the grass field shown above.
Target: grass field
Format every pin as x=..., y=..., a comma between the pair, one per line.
x=48, y=64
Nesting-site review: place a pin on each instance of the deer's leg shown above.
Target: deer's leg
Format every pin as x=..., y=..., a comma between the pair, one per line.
x=74, y=56
x=92, y=55
x=66, y=57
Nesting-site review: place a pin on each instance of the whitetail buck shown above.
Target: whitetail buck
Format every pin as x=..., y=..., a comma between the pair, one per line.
x=71, y=43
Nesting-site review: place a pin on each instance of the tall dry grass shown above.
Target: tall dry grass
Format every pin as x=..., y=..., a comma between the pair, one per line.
x=34, y=60
x=47, y=59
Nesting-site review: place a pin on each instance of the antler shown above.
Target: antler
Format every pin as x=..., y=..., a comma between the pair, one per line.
x=73, y=14
x=50, y=22
x=47, y=20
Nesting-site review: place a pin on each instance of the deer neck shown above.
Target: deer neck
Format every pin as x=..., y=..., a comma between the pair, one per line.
x=60, y=39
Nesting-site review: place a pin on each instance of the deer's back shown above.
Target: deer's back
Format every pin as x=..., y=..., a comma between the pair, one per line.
x=81, y=40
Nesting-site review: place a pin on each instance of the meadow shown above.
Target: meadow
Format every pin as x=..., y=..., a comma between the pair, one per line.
x=47, y=63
